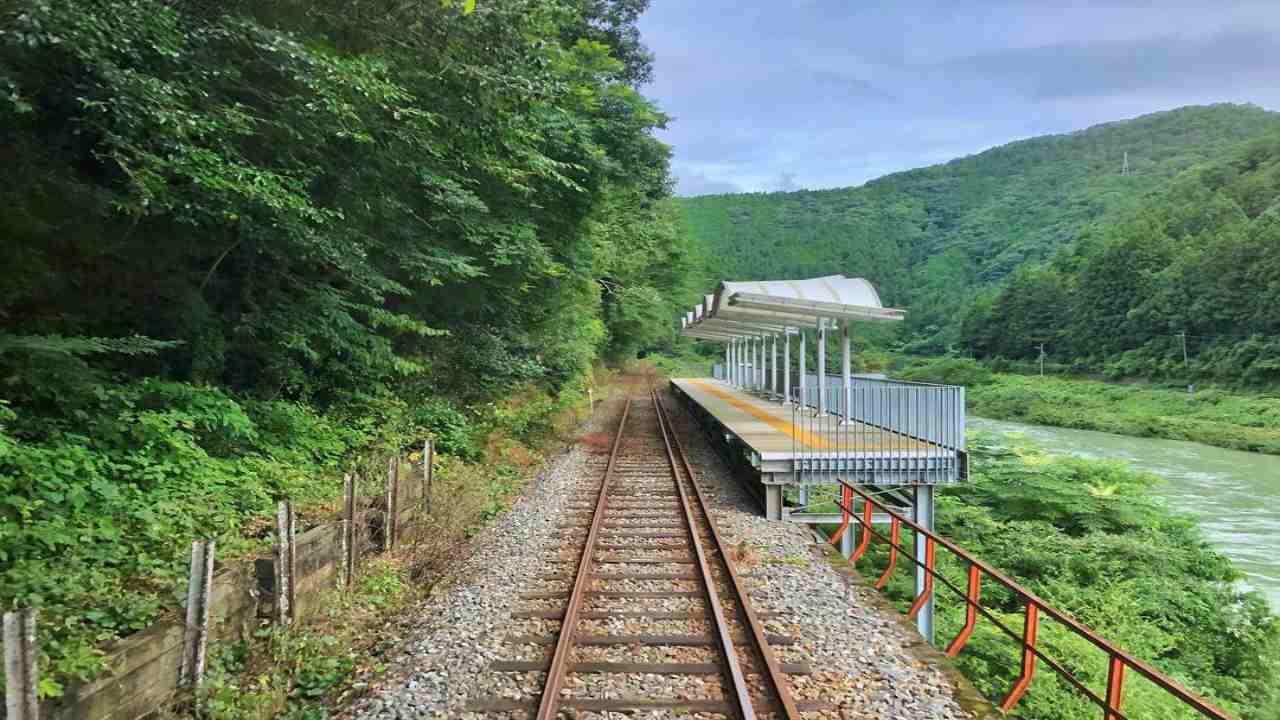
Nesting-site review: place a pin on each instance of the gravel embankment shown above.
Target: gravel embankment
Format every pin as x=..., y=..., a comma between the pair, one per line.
x=462, y=628
x=861, y=658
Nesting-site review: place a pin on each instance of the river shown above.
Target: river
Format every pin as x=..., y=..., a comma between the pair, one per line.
x=1234, y=495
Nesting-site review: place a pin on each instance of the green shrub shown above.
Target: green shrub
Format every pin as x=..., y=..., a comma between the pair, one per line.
x=949, y=371
x=453, y=432
x=95, y=524
x=1090, y=537
x=1242, y=422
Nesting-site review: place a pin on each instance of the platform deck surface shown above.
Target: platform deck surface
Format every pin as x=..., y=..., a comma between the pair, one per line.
x=766, y=426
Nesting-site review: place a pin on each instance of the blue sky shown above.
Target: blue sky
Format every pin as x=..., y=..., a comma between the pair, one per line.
x=789, y=94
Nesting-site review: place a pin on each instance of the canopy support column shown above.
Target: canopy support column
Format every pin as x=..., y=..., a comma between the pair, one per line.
x=737, y=364
x=773, y=365
x=742, y=362
x=728, y=370
x=822, y=366
x=845, y=366
x=726, y=361
x=804, y=381
x=733, y=367
x=786, y=368
x=759, y=364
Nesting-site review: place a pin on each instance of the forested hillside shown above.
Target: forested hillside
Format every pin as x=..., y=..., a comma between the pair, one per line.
x=1200, y=256
x=932, y=238
x=244, y=242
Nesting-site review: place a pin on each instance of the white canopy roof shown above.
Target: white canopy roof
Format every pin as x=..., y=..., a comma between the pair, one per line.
x=754, y=308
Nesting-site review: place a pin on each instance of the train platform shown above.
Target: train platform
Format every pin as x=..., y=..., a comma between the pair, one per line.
x=790, y=444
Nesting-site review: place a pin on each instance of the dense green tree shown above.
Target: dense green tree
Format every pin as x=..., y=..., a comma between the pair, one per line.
x=245, y=243
x=938, y=239
x=314, y=196
x=1200, y=256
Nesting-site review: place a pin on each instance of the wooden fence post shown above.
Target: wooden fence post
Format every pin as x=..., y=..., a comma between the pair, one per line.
x=196, y=638
x=286, y=562
x=392, y=491
x=346, y=563
x=428, y=468
x=20, y=672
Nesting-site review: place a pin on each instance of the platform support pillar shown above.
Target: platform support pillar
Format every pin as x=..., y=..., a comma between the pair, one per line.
x=845, y=371
x=786, y=368
x=846, y=542
x=923, y=511
x=773, y=501
x=822, y=366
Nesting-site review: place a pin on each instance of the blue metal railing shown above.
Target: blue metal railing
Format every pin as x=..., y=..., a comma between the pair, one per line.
x=920, y=410
x=878, y=430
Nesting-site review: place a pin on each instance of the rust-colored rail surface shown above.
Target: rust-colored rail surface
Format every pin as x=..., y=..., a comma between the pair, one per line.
x=648, y=516
x=1110, y=703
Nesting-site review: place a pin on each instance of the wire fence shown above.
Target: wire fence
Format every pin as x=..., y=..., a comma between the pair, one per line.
x=383, y=501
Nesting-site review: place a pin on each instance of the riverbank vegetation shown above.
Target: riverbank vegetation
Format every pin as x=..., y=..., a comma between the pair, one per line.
x=249, y=247
x=1218, y=417
x=1088, y=536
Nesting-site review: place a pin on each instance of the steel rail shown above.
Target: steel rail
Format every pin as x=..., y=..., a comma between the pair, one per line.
x=775, y=676
x=548, y=706
x=741, y=692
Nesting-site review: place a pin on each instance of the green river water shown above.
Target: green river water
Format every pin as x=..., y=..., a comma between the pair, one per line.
x=1234, y=495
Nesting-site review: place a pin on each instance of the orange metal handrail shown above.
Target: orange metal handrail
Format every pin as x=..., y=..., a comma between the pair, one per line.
x=1119, y=661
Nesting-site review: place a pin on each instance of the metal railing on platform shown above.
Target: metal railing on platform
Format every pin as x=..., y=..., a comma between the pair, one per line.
x=877, y=430
x=1119, y=662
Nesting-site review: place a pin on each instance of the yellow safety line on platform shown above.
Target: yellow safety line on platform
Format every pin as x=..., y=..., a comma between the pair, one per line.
x=775, y=422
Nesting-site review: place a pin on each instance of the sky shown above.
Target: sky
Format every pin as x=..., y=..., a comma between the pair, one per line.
x=771, y=95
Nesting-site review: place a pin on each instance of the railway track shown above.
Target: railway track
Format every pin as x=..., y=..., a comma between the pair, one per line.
x=645, y=587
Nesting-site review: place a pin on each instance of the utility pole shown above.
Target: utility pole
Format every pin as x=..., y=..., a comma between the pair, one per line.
x=1186, y=362
x=1041, y=347
x=1124, y=169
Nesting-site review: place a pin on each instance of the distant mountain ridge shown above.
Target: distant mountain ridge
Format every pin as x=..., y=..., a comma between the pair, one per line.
x=933, y=237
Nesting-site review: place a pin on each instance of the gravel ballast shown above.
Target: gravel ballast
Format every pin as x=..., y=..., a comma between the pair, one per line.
x=862, y=658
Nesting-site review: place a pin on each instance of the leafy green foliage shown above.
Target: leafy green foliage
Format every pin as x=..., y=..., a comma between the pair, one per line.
x=255, y=243
x=934, y=239
x=1199, y=256
x=1089, y=537
x=96, y=508
x=311, y=198
x=1213, y=417
x=950, y=371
